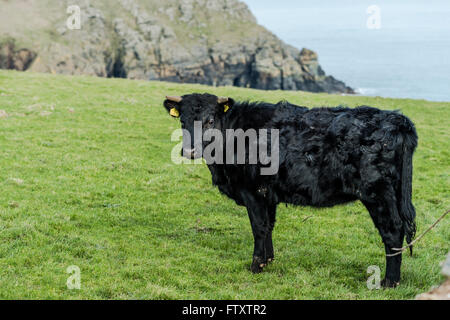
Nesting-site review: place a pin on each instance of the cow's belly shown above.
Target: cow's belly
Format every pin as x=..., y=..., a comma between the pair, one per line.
x=316, y=200
x=308, y=188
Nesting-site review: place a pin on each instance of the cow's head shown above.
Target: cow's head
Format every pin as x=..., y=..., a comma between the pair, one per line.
x=205, y=109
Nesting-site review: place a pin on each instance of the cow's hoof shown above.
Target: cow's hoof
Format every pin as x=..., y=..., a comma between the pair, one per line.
x=270, y=259
x=257, y=265
x=387, y=283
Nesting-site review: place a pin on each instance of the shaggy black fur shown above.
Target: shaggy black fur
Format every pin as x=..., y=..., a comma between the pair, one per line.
x=328, y=156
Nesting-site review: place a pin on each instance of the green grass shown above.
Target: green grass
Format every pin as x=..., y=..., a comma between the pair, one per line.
x=86, y=179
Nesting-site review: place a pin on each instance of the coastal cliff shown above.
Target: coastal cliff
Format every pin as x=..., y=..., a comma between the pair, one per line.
x=214, y=42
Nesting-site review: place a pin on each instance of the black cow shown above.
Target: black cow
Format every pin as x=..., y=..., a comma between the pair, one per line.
x=327, y=156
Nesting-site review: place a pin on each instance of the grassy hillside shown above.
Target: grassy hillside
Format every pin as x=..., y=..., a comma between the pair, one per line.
x=86, y=179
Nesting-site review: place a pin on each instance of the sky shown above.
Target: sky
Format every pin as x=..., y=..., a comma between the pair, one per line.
x=408, y=56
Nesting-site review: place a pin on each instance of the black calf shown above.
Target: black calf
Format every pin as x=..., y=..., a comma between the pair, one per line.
x=327, y=156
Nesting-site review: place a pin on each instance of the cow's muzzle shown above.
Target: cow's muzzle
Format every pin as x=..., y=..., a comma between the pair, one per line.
x=190, y=153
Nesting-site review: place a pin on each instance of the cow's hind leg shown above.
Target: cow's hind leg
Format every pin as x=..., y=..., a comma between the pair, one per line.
x=387, y=220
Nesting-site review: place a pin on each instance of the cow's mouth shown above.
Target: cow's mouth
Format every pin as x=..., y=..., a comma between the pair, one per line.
x=190, y=153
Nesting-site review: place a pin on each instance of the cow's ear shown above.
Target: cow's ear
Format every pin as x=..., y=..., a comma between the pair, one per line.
x=172, y=105
x=225, y=104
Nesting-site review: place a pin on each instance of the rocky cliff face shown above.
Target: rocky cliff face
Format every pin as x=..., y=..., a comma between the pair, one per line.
x=214, y=42
x=11, y=58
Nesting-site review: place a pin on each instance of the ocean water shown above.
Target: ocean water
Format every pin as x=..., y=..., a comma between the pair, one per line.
x=408, y=56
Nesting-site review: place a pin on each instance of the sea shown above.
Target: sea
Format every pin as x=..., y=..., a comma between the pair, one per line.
x=388, y=48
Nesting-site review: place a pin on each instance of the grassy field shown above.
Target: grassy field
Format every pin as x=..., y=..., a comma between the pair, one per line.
x=86, y=179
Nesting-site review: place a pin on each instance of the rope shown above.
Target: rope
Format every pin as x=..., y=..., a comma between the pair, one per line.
x=400, y=250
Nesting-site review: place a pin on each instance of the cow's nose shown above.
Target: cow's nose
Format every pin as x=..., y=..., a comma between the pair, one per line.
x=189, y=153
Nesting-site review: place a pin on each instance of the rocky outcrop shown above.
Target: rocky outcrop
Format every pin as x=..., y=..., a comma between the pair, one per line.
x=441, y=292
x=87, y=51
x=214, y=42
x=15, y=59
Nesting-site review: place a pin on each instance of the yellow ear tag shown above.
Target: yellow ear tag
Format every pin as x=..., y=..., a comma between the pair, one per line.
x=174, y=113
x=225, y=108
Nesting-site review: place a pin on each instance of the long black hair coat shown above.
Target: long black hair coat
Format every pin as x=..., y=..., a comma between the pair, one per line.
x=327, y=156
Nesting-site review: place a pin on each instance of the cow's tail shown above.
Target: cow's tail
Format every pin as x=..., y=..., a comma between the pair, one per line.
x=407, y=211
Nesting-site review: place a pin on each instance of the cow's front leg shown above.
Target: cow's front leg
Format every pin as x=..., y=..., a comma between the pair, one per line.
x=260, y=229
x=272, y=209
x=258, y=214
